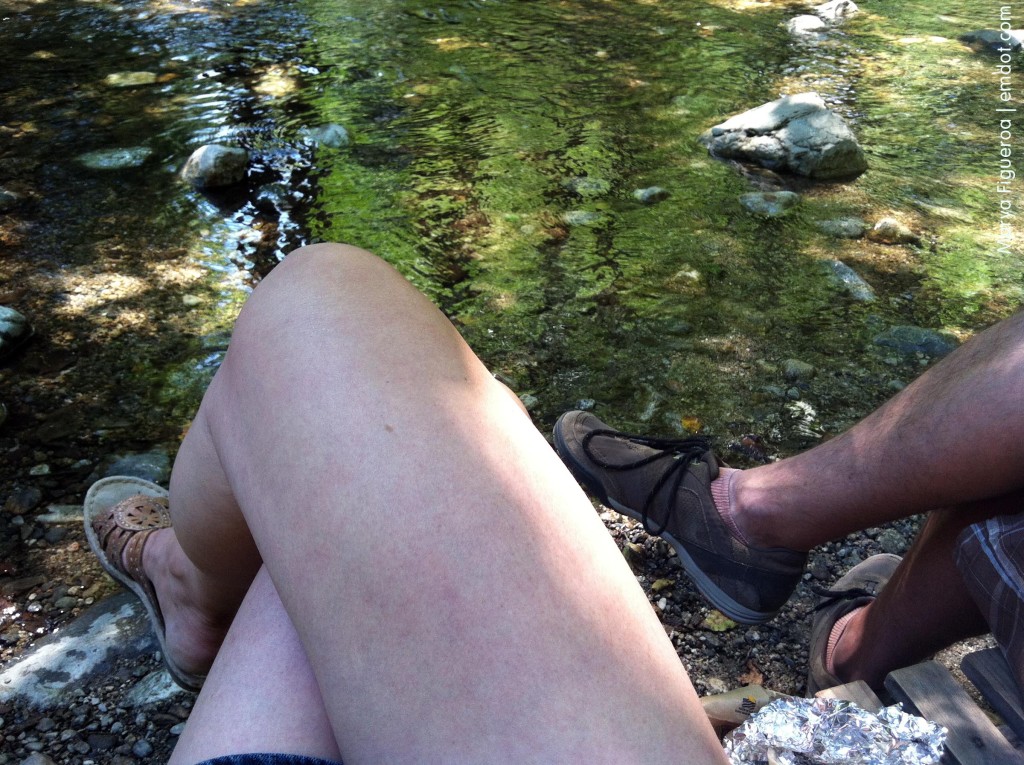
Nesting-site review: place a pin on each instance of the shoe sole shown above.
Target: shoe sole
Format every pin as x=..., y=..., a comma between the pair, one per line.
x=712, y=592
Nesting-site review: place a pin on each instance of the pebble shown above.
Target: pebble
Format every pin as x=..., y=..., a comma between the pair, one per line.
x=581, y=217
x=142, y=748
x=650, y=195
x=910, y=340
x=9, y=200
x=891, y=541
x=794, y=369
x=176, y=730
x=771, y=204
x=843, y=228
x=116, y=159
x=130, y=79
x=850, y=281
x=892, y=231
x=23, y=500
x=38, y=758
x=333, y=136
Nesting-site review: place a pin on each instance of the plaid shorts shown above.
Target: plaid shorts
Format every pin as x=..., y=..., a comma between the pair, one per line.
x=990, y=556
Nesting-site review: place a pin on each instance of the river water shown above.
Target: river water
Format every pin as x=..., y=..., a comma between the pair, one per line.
x=495, y=150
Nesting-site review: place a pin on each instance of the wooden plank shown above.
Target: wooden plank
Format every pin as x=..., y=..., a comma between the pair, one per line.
x=932, y=692
x=992, y=675
x=858, y=692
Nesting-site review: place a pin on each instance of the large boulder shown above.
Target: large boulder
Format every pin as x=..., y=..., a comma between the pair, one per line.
x=798, y=134
x=213, y=166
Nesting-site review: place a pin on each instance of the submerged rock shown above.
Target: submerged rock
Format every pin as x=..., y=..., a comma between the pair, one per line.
x=130, y=79
x=892, y=231
x=650, y=195
x=771, y=204
x=9, y=200
x=587, y=186
x=115, y=159
x=795, y=133
x=836, y=10
x=994, y=40
x=333, y=136
x=850, y=281
x=843, y=228
x=804, y=26
x=213, y=166
x=581, y=217
x=15, y=330
x=909, y=340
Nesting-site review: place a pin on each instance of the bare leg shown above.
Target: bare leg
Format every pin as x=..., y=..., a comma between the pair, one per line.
x=261, y=695
x=452, y=588
x=949, y=438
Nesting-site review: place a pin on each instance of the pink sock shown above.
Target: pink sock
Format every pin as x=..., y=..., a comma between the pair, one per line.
x=835, y=636
x=721, y=495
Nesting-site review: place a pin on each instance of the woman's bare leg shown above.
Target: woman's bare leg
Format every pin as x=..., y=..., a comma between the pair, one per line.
x=456, y=596
x=261, y=695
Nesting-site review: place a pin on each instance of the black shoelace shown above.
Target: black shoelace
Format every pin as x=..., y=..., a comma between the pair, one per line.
x=682, y=451
x=834, y=596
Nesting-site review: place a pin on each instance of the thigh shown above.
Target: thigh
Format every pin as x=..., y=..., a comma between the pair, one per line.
x=261, y=695
x=453, y=588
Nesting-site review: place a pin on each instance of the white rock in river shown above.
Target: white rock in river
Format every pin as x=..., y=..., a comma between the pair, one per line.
x=795, y=133
x=836, y=10
x=802, y=26
x=115, y=159
x=849, y=280
x=213, y=165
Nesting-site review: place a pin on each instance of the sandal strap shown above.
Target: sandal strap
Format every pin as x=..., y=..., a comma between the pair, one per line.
x=124, y=530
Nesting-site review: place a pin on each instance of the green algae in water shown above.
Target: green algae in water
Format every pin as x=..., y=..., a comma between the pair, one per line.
x=497, y=151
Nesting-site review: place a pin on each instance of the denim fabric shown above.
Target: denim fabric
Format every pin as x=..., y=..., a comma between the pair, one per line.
x=267, y=759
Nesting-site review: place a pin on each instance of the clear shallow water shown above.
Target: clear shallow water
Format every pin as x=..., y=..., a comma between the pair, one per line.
x=496, y=148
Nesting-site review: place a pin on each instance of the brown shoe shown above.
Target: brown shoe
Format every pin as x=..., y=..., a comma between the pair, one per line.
x=665, y=484
x=990, y=556
x=856, y=588
x=120, y=514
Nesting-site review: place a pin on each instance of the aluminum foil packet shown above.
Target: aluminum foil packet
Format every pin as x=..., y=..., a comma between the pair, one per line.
x=795, y=731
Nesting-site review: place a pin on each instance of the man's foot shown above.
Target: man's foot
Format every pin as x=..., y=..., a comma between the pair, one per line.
x=128, y=528
x=665, y=484
x=990, y=556
x=856, y=589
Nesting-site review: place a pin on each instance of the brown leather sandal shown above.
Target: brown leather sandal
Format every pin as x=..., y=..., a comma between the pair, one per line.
x=120, y=514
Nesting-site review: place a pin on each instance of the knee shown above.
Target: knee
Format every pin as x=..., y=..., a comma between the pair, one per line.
x=328, y=265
